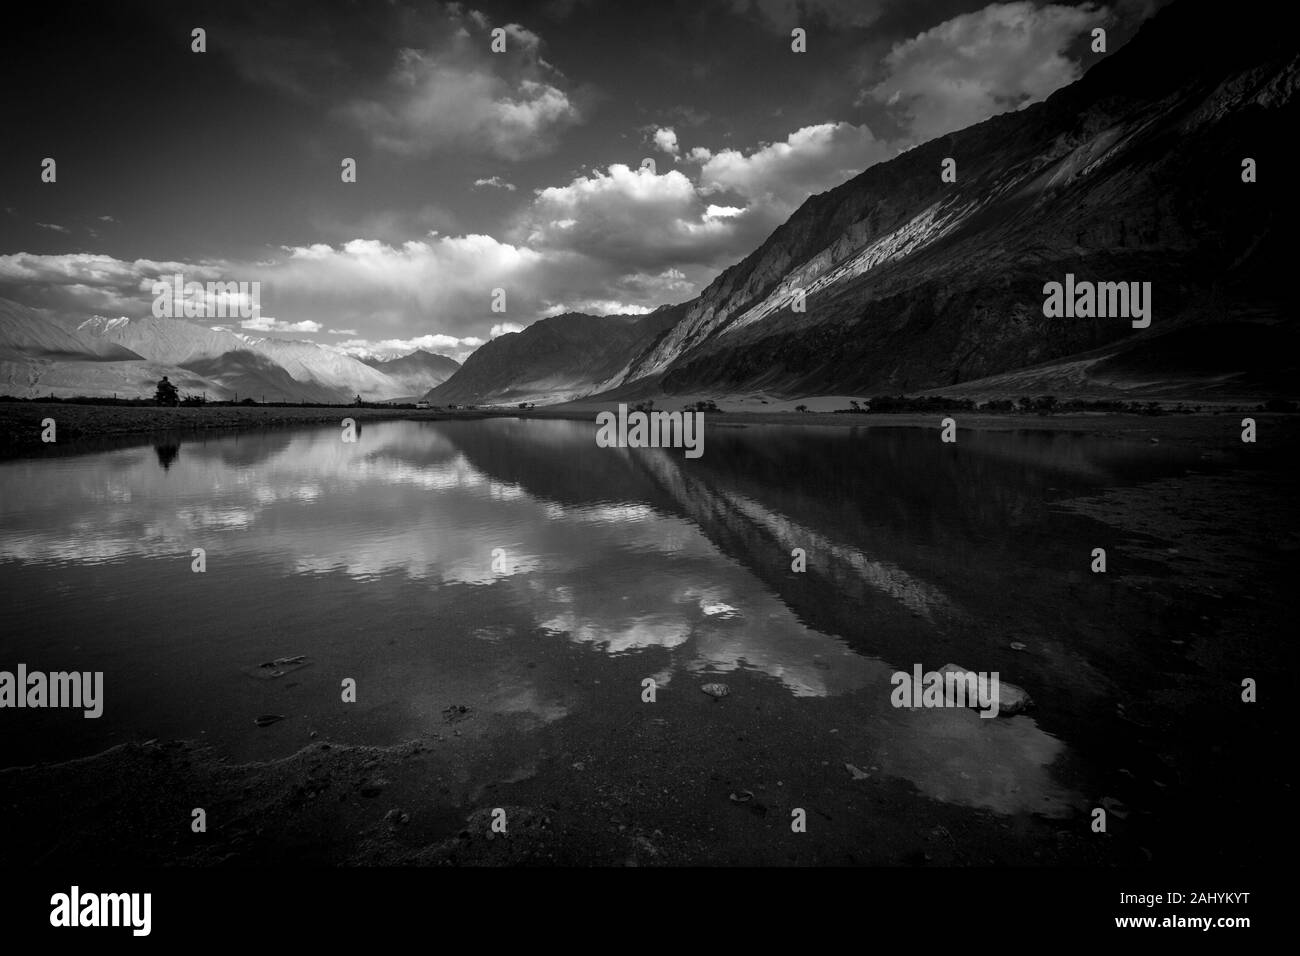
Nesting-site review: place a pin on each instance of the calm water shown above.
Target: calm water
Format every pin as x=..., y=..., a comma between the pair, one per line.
x=376, y=561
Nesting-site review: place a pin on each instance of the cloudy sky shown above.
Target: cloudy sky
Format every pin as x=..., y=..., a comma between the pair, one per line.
x=477, y=170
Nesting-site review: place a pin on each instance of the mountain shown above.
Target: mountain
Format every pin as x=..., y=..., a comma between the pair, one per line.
x=27, y=334
x=1132, y=173
x=166, y=341
x=244, y=373
x=38, y=356
x=234, y=364
x=554, y=359
x=314, y=367
x=417, y=372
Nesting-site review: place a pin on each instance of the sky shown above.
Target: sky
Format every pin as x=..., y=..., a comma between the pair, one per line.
x=522, y=170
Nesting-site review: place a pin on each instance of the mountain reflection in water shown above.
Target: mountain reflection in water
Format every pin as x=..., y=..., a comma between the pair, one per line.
x=452, y=560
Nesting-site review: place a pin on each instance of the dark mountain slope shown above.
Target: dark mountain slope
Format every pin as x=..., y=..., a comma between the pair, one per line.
x=553, y=359
x=1131, y=174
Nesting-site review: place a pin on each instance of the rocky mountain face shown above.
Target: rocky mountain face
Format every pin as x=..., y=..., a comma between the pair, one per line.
x=553, y=360
x=417, y=372
x=1132, y=174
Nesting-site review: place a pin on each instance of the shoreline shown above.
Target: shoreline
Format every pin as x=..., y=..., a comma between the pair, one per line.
x=84, y=429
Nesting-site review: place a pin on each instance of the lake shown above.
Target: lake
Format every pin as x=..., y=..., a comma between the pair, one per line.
x=512, y=567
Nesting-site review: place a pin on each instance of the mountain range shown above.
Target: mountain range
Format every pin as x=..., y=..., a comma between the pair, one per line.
x=41, y=355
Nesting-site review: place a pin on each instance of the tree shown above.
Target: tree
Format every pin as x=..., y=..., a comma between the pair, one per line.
x=166, y=393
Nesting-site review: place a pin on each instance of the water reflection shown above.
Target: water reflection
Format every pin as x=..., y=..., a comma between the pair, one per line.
x=440, y=561
x=167, y=454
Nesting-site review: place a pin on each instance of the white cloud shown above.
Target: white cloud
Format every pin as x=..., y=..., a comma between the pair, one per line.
x=92, y=283
x=722, y=212
x=264, y=323
x=52, y=226
x=618, y=240
x=460, y=96
x=979, y=64
x=373, y=292
x=596, y=307
x=496, y=182
x=782, y=175
x=505, y=328
x=449, y=345
x=625, y=215
x=451, y=277
x=666, y=140
x=670, y=285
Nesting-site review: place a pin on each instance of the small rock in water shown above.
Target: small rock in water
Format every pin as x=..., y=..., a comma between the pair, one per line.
x=1017, y=646
x=857, y=774
x=396, y=817
x=743, y=797
x=716, y=690
x=266, y=720
x=1011, y=699
x=284, y=661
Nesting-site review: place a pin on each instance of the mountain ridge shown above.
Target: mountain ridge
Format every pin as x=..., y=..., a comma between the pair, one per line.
x=563, y=356
x=941, y=276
